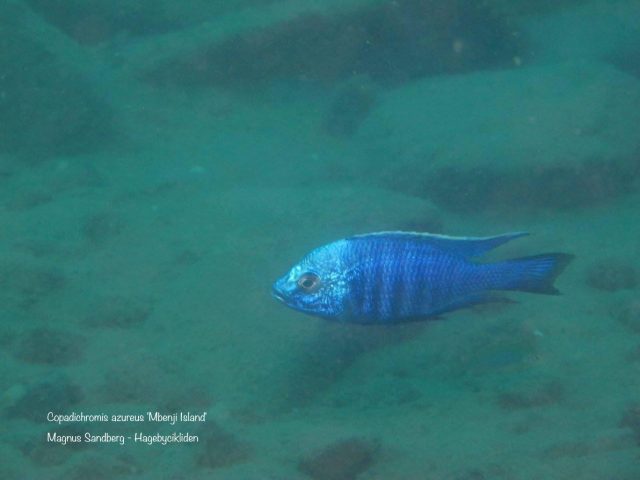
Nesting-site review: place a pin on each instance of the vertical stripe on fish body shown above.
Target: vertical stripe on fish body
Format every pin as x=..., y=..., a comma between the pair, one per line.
x=400, y=278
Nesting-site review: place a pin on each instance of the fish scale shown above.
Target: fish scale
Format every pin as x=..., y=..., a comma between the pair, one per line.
x=393, y=277
x=409, y=268
x=388, y=280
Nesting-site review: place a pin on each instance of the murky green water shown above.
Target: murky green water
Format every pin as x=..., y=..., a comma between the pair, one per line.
x=162, y=163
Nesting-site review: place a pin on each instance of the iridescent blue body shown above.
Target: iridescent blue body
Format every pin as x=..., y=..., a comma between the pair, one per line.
x=393, y=277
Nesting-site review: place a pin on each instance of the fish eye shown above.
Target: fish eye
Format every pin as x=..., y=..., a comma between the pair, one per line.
x=309, y=282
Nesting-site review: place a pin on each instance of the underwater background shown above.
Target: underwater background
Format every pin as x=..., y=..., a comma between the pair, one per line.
x=162, y=163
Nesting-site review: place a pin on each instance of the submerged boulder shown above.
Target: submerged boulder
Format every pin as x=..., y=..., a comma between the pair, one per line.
x=391, y=42
x=557, y=136
x=48, y=104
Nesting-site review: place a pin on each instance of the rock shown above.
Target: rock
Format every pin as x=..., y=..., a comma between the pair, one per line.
x=631, y=420
x=220, y=448
x=51, y=347
x=119, y=312
x=26, y=284
x=99, y=228
x=55, y=393
x=611, y=275
x=628, y=61
x=633, y=355
x=558, y=187
x=547, y=394
x=47, y=454
x=47, y=106
x=123, y=384
x=343, y=460
x=349, y=109
x=629, y=315
x=389, y=42
x=472, y=475
x=95, y=21
x=567, y=449
x=92, y=22
x=469, y=163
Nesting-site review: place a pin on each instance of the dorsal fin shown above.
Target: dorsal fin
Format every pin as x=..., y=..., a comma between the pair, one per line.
x=467, y=247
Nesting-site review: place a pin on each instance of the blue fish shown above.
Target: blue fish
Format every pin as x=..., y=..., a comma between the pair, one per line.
x=395, y=277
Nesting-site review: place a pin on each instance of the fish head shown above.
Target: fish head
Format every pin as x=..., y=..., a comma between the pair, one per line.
x=318, y=284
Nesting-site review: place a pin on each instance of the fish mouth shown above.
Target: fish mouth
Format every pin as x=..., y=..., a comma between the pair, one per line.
x=277, y=294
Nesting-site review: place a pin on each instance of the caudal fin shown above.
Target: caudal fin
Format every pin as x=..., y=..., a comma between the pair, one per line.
x=534, y=274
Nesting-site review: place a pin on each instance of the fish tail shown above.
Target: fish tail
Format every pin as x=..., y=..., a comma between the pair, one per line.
x=534, y=274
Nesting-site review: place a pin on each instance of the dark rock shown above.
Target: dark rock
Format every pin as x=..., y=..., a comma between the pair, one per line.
x=472, y=475
x=45, y=126
x=51, y=347
x=567, y=449
x=628, y=59
x=220, y=448
x=349, y=109
x=27, y=200
x=343, y=460
x=476, y=190
x=631, y=420
x=634, y=354
x=547, y=394
x=629, y=315
x=47, y=106
x=29, y=284
x=54, y=394
x=596, y=445
x=101, y=227
x=389, y=42
x=611, y=275
x=91, y=22
x=598, y=181
x=119, y=312
x=132, y=385
x=94, y=21
x=465, y=191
